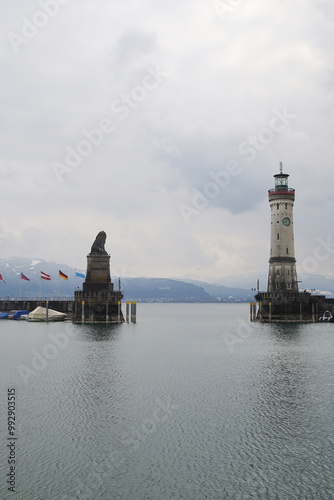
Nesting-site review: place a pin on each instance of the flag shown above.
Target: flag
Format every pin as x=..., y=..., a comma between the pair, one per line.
x=80, y=275
x=45, y=276
x=62, y=275
x=24, y=277
x=1, y=278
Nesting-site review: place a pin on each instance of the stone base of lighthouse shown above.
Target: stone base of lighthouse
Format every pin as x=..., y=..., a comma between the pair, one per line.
x=289, y=307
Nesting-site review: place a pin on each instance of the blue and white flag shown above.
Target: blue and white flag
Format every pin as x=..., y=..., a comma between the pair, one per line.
x=80, y=275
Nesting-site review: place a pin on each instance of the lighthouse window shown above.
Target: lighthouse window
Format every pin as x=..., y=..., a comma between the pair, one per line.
x=278, y=236
x=286, y=206
x=277, y=206
x=287, y=251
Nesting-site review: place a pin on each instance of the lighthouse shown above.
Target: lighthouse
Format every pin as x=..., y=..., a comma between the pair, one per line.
x=283, y=302
x=282, y=274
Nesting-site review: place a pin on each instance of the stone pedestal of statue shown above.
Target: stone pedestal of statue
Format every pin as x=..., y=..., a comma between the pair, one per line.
x=98, y=273
x=98, y=302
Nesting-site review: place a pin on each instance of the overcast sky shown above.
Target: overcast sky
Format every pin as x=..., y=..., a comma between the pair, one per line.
x=163, y=123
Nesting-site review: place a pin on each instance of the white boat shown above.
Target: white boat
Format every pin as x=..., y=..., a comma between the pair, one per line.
x=39, y=314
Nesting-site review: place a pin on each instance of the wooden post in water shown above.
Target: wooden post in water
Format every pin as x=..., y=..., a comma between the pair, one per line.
x=119, y=312
x=251, y=311
x=47, y=311
x=133, y=312
x=127, y=312
x=301, y=311
x=269, y=312
x=83, y=311
x=254, y=311
x=260, y=310
x=107, y=312
x=313, y=314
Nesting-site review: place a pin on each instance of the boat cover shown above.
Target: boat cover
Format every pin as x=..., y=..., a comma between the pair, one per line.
x=39, y=314
x=18, y=314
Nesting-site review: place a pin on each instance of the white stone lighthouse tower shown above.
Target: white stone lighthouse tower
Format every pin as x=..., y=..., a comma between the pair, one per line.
x=282, y=263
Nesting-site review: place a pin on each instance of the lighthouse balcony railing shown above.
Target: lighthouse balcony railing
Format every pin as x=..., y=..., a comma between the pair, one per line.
x=281, y=190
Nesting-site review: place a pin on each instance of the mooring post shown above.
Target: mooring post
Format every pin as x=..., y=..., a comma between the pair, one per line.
x=251, y=311
x=107, y=312
x=260, y=310
x=83, y=311
x=119, y=312
x=133, y=312
x=313, y=314
x=254, y=311
x=127, y=311
x=269, y=312
x=301, y=311
x=47, y=311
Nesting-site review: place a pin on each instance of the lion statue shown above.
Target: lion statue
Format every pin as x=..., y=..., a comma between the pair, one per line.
x=98, y=245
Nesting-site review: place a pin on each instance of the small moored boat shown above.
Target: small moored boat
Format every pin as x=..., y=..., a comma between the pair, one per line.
x=39, y=314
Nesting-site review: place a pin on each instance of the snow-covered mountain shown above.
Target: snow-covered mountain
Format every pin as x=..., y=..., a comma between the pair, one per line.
x=140, y=289
x=11, y=269
x=182, y=289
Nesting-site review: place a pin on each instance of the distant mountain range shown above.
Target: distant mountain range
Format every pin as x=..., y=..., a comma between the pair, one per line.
x=180, y=289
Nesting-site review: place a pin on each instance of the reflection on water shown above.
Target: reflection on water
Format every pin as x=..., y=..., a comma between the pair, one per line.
x=101, y=332
x=143, y=412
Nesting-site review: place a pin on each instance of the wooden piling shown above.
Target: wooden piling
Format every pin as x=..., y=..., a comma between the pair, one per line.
x=133, y=312
x=83, y=311
x=254, y=311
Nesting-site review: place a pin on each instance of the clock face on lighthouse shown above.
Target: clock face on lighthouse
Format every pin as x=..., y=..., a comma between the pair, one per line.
x=286, y=221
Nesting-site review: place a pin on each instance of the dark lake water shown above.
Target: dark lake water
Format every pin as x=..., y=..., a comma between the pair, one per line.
x=192, y=402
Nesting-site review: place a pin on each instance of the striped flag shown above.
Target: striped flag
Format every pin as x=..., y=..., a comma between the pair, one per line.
x=24, y=277
x=80, y=275
x=1, y=278
x=62, y=275
x=45, y=276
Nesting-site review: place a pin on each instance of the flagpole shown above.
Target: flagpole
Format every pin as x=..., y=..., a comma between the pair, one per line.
x=58, y=286
x=75, y=279
x=40, y=288
x=20, y=285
